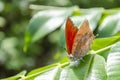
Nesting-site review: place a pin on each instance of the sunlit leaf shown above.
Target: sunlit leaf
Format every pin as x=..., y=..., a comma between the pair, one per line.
x=45, y=22
x=109, y=26
x=97, y=69
x=113, y=63
x=53, y=74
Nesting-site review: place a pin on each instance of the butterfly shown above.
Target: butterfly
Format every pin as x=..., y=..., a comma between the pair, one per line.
x=78, y=41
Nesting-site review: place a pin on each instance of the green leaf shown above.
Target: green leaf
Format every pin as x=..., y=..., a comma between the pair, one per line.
x=104, y=42
x=113, y=63
x=45, y=22
x=102, y=45
x=109, y=26
x=117, y=34
x=93, y=15
x=97, y=70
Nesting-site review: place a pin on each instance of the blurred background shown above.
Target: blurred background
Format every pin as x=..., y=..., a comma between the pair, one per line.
x=15, y=16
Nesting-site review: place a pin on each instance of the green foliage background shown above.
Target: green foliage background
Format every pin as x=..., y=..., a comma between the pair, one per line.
x=32, y=36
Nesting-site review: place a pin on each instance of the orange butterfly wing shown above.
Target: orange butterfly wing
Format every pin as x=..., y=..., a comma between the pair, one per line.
x=83, y=40
x=70, y=35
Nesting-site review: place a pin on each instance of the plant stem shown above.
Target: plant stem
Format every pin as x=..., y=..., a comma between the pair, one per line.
x=64, y=64
x=103, y=49
x=37, y=73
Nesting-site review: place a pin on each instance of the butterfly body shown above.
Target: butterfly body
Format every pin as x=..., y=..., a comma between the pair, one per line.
x=78, y=40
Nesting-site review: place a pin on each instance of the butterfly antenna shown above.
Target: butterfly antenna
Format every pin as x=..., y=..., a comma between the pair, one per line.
x=63, y=48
